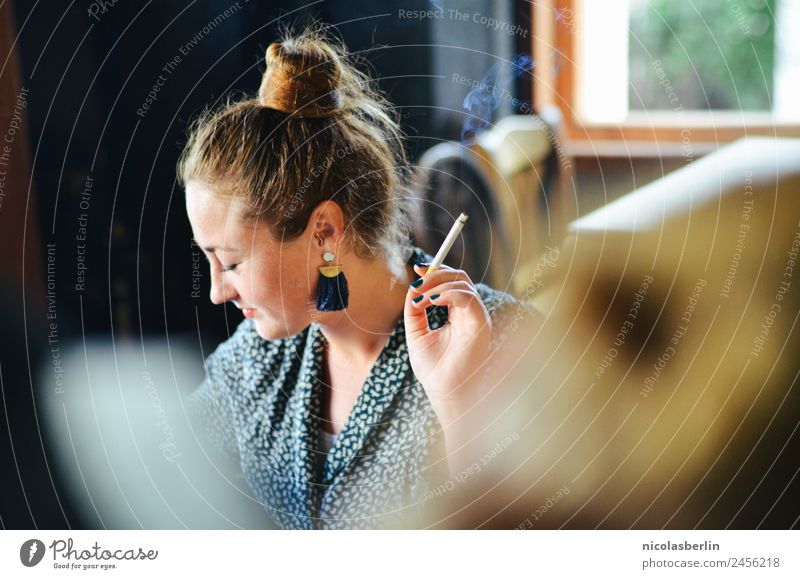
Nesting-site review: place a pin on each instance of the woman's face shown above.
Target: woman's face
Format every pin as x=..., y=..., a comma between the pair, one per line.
x=266, y=279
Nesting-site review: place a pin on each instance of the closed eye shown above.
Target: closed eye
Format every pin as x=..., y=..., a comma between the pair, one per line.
x=229, y=267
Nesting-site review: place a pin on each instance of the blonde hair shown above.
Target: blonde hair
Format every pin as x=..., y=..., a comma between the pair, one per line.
x=316, y=131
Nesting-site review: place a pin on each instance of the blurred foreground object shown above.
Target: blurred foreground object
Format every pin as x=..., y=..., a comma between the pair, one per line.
x=128, y=449
x=662, y=391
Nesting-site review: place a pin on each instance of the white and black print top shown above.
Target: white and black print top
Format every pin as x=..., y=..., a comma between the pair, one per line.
x=260, y=402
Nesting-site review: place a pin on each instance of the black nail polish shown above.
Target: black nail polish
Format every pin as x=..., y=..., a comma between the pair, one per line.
x=423, y=264
x=434, y=296
x=418, y=299
x=416, y=282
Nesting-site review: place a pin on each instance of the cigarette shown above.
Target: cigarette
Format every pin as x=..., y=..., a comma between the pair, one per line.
x=448, y=242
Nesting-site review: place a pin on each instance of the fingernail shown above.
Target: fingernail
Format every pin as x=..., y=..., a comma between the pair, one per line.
x=418, y=299
x=422, y=264
x=416, y=282
x=434, y=296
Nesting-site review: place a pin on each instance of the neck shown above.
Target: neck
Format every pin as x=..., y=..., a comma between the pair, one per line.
x=377, y=296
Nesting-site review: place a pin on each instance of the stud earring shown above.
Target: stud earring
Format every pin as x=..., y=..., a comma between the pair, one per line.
x=332, y=291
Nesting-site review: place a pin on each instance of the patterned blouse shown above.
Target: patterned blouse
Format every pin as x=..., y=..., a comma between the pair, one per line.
x=260, y=403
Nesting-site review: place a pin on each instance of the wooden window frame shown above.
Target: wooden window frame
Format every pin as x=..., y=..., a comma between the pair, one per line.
x=641, y=134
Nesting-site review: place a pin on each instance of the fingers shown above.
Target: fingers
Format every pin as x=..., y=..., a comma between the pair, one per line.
x=415, y=319
x=438, y=276
x=424, y=300
x=457, y=298
x=464, y=307
x=444, y=286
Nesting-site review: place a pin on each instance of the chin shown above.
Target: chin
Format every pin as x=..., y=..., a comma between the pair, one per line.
x=274, y=330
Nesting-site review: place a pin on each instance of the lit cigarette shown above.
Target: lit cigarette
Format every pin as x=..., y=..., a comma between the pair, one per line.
x=447, y=245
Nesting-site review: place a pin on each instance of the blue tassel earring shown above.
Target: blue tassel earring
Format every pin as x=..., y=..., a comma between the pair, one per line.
x=332, y=292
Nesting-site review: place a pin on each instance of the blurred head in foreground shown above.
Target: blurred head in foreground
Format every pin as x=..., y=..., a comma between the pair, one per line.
x=661, y=392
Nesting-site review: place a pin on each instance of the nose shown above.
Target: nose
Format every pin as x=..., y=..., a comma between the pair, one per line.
x=221, y=291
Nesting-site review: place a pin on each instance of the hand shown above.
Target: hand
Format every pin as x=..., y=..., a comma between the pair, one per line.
x=447, y=361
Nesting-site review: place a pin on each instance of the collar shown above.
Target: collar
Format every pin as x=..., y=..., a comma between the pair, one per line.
x=375, y=398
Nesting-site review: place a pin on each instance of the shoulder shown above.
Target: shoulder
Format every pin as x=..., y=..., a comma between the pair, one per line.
x=501, y=305
x=503, y=308
x=508, y=313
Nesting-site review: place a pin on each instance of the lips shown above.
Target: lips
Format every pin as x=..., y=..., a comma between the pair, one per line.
x=248, y=312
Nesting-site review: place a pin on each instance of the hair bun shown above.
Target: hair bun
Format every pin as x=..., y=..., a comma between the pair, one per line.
x=302, y=78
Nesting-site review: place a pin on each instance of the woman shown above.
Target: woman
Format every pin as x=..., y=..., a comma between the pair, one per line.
x=342, y=393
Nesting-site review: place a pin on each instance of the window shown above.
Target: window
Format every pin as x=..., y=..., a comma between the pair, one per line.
x=666, y=71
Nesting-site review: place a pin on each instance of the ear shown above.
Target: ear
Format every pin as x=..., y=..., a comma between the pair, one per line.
x=326, y=225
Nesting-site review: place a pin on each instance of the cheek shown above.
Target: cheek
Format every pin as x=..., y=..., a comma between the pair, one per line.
x=281, y=290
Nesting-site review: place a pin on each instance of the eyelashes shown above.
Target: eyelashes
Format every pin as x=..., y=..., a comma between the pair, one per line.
x=223, y=268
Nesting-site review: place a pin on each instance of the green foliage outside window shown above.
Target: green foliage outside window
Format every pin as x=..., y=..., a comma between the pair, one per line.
x=701, y=55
